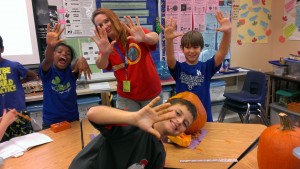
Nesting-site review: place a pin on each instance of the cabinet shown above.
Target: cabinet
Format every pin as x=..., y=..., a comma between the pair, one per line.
x=276, y=82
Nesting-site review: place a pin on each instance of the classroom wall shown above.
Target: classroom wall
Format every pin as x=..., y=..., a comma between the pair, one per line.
x=256, y=56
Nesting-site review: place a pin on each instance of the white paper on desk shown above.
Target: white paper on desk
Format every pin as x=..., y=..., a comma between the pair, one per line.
x=242, y=70
x=21, y=144
x=99, y=86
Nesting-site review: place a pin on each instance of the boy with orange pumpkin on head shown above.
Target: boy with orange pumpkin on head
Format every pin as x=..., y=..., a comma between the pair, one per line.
x=130, y=140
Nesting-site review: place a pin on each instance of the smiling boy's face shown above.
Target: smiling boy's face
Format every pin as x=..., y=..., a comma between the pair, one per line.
x=175, y=126
x=62, y=57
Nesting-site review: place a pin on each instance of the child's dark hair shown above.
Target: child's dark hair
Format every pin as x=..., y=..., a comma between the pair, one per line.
x=192, y=39
x=186, y=103
x=1, y=42
x=68, y=46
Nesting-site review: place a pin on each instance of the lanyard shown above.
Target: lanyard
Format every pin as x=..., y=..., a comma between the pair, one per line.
x=124, y=58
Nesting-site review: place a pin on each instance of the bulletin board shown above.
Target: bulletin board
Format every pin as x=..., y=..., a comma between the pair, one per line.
x=75, y=15
x=196, y=15
x=147, y=11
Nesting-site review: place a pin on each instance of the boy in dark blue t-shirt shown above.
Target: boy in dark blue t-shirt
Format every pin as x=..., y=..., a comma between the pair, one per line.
x=12, y=95
x=192, y=75
x=59, y=79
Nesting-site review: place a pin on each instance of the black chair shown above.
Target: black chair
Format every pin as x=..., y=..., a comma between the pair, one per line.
x=250, y=100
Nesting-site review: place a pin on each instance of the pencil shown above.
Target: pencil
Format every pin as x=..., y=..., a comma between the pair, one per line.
x=24, y=116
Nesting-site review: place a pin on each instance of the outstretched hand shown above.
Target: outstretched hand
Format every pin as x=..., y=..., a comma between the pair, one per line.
x=82, y=67
x=52, y=37
x=225, y=24
x=147, y=116
x=101, y=40
x=136, y=31
x=169, y=30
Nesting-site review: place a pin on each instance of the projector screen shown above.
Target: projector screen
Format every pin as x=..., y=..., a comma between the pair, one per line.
x=18, y=31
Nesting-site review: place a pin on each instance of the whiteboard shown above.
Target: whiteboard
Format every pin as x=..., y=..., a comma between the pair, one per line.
x=18, y=31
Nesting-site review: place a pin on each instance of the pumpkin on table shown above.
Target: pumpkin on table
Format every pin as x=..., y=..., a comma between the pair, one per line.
x=185, y=138
x=200, y=121
x=276, y=144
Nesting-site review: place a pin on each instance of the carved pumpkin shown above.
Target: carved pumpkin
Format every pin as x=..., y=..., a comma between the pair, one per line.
x=276, y=144
x=200, y=121
x=182, y=140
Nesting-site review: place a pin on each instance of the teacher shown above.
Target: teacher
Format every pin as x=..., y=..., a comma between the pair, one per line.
x=125, y=49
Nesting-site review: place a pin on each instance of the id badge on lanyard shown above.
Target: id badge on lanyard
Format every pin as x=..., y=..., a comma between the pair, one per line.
x=126, y=83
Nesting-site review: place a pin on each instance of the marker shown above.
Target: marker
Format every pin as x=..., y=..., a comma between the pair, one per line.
x=222, y=160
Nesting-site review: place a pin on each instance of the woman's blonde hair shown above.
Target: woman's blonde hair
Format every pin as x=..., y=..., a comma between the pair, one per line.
x=121, y=32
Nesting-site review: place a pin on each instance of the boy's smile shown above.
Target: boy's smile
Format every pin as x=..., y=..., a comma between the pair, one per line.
x=182, y=120
x=62, y=57
x=191, y=54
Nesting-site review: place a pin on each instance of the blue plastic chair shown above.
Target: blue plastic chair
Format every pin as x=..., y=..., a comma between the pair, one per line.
x=250, y=100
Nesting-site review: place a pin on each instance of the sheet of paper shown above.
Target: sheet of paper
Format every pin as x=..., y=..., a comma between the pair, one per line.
x=8, y=149
x=16, y=146
x=31, y=140
x=99, y=86
x=242, y=70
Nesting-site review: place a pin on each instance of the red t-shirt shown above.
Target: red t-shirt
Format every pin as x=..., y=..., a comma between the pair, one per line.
x=141, y=72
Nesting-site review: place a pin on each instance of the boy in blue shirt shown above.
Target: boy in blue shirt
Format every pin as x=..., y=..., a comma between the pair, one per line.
x=192, y=75
x=59, y=79
x=12, y=74
x=12, y=95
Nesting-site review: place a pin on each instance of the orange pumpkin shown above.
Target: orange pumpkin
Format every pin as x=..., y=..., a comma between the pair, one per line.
x=182, y=140
x=276, y=144
x=201, y=112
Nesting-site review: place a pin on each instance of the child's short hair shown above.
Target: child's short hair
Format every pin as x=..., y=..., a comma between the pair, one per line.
x=68, y=46
x=186, y=103
x=192, y=39
x=1, y=42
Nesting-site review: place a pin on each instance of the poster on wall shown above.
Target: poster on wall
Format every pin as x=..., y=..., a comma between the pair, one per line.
x=198, y=15
x=253, y=24
x=75, y=15
x=291, y=20
x=90, y=52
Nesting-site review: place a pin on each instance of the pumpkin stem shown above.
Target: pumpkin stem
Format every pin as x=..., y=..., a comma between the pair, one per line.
x=285, y=122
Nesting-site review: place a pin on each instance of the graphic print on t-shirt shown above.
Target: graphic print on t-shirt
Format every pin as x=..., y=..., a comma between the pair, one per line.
x=6, y=85
x=134, y=54
x=192, y=80
x=60, y=88
x=143, y=163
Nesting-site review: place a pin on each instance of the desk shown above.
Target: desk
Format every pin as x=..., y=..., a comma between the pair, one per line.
x=248, y=162
x=223, y=140
x=232, y=85
x=272, y=87
x=54, y=155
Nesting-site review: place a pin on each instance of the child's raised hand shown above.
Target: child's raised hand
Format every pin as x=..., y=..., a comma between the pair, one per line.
x=101, y=40
x=8, y=117
x=136, y=31
x=225, y=24
x=149, y=115
x=82, y=67
x=169, y=30
x=52, y=37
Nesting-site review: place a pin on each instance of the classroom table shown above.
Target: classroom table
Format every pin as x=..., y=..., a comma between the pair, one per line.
x=235, y=82
x=223, y=140
x=248, y=162
x=57, y=154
